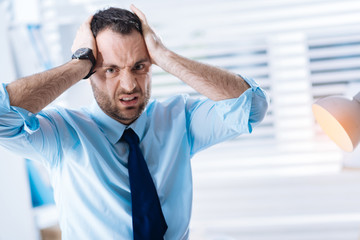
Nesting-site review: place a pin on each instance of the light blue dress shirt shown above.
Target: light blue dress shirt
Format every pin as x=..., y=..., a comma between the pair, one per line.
x=88, y=164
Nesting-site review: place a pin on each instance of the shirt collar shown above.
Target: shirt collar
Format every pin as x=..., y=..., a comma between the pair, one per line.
x=113, y=129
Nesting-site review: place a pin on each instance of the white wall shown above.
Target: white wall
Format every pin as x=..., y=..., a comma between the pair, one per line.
x=16, y=215
x=16, y=218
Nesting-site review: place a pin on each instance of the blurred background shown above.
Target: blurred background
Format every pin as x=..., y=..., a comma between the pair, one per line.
x=286, y=180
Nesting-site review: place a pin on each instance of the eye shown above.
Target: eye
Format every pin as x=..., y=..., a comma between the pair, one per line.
x=139, y=67
x=110, y=70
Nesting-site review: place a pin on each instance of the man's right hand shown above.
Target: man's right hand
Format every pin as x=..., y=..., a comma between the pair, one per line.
x=35, y=92
x=84, y=38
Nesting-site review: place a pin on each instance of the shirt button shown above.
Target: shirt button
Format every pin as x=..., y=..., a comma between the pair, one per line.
x=30, y=114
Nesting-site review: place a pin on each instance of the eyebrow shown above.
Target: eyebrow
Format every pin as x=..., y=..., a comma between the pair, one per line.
x=142, y=61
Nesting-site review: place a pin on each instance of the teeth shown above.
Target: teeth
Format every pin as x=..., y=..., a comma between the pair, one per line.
x=128, y=99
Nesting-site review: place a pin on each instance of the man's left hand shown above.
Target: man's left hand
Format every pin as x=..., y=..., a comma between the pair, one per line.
x=153, y=42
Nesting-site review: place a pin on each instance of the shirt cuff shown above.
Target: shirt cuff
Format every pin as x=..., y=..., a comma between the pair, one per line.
x=246, y=111
x=30, y=121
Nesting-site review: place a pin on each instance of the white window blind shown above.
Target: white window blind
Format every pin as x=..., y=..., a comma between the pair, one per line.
x=296, y=50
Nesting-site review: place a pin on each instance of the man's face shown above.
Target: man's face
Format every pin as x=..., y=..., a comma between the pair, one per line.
x=122, y=81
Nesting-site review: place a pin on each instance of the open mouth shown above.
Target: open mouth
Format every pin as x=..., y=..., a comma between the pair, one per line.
x=129, y=101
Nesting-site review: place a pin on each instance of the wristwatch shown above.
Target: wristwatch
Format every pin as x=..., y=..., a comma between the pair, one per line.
x=85, y=53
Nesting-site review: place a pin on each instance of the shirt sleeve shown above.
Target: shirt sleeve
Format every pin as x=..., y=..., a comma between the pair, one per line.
x=29, y=135
x=211, y=122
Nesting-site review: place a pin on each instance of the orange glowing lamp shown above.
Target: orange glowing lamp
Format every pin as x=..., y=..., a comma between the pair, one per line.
x=339, y=118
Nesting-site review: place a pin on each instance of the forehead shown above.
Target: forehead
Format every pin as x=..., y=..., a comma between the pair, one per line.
x=119, y=49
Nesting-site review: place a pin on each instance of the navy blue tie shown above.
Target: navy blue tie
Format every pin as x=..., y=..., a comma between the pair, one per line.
x=147, y=217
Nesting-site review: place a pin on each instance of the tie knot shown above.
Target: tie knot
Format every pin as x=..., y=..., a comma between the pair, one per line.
x=130, y=136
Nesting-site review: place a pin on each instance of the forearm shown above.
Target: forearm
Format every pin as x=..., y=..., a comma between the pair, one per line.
x=212, y=82
x=35, y=92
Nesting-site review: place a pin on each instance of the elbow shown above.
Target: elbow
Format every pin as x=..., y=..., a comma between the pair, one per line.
x=259, y=109
x=264, y=106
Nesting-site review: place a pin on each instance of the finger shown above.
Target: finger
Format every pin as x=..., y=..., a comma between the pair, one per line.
x=87, y=24
x=89, y=19
x=138, y=13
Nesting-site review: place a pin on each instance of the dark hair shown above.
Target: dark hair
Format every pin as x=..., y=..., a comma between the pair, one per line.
x=117, y=19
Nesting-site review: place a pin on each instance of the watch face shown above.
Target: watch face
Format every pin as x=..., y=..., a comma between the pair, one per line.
x=81, y=52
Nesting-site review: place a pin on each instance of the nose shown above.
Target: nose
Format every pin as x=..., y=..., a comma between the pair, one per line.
x=127, y=81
